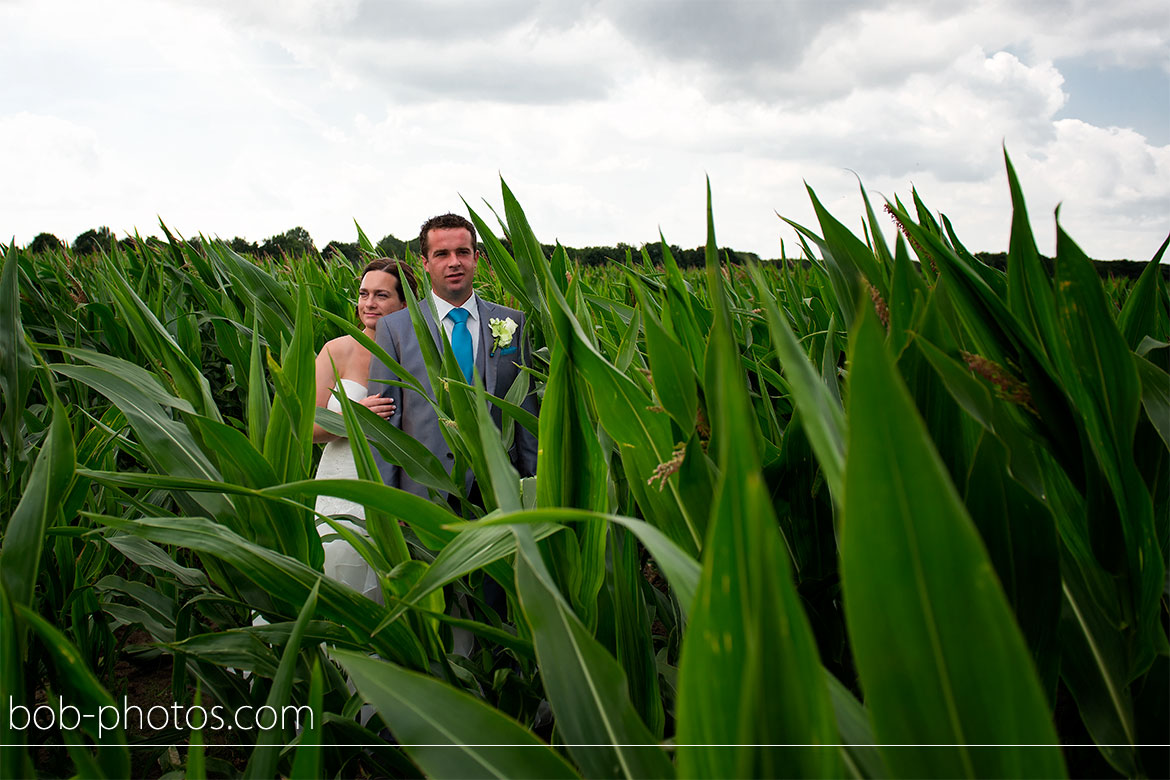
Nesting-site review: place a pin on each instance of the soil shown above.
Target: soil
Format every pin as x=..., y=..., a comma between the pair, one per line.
x=145, y=681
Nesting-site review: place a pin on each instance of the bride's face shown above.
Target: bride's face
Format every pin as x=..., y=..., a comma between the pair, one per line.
x=378, y=295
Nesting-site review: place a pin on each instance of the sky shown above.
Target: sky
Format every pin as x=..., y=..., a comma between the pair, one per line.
x=606, y=118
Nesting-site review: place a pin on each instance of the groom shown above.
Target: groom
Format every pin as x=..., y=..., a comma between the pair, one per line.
x=447, y=245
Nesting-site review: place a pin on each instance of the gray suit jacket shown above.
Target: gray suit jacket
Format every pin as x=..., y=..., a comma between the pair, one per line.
x=415, y=416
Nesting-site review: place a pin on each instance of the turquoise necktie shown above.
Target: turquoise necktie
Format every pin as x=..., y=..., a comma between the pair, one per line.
x=461, y=341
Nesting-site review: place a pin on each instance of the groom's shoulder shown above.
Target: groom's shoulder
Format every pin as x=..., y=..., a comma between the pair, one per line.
x=397, y=318
x=500, y=311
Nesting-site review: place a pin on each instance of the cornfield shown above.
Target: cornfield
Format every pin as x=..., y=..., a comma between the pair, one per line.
x=882, y=512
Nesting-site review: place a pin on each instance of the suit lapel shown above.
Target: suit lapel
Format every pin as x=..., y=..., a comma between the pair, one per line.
x=426, y=307
x=487, y=310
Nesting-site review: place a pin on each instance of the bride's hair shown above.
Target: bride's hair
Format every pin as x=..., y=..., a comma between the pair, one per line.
x=399, y=269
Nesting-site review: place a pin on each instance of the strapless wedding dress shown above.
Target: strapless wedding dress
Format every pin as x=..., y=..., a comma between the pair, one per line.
x=342, y=562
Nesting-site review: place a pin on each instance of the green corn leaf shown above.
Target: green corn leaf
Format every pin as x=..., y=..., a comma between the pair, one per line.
x=1101, y=377
x=908, y=295
x=830, y=357
x=644, y=438
x=688, y=318
x=16, y=362
x=24, y=533
x=585, y=685
x=477, y=546
x=241, y=649
x=974, y=397
x=940, y=658
x=750, y=675
x=1029, y=290
x=635, y=648
x=993, y=329
x=520, y=646
x=259, y=400
x=1155, y=397
x=628, y=347
x=502, y=475
x=307, y=759
x=530, y=259
x=241, y=463
x=167, y=444
x=196, y=767
x=881, y=250
x=14, y=758
x=1095, y=654
x=288, y=446
x=1139, y=314
x=569, y=460
x=189, y=382
x=1019, y=533
x=283, y=577
x=1094, y=663
x=447, y=732
x=78, y=686
x=364, y=243
x=383, y=529
x=432, y=355
x=137, y=376
x=844, y=289
x=262, y=763
x=674, y=375
x=270, y=300
x=859, y=755
x=678, y=566
x=573, y=473
x=419, y=463
x=823, y=416
x=847, y=253
x=145, y=554
x=425, y=517
x=503, y=263
x=156, y=611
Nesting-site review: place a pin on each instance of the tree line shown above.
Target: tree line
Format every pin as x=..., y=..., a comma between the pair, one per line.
x=296, y=242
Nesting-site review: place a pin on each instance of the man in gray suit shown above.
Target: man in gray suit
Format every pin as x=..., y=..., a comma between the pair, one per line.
x=447, y=244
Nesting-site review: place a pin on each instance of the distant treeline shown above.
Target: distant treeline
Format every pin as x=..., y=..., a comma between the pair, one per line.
x=296, y=242
x=1121, y=269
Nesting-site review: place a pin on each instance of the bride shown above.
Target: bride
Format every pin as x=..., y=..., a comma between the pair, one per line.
x=379, y=293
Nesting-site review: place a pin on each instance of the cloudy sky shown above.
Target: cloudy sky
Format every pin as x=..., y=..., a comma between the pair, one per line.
x=247, y=117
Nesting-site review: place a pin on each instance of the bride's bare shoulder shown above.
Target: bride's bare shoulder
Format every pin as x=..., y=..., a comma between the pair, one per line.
x=341, y=349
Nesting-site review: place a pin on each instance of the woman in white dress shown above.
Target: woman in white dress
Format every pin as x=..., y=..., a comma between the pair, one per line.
x=379, y=293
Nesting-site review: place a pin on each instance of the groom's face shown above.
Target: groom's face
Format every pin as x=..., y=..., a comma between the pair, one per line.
x=450, y=261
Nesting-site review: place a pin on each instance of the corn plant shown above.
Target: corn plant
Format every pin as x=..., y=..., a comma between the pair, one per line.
x=873, y=511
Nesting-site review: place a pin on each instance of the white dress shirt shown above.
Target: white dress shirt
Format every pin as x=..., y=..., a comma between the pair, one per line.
x=442, y=308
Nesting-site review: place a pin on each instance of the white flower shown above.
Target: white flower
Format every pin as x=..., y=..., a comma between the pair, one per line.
x=502, y=332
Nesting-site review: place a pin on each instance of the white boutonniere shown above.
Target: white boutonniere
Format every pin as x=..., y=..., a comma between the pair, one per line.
x=502, y=332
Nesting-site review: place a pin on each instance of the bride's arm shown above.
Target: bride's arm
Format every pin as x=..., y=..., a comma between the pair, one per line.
x=333, y=352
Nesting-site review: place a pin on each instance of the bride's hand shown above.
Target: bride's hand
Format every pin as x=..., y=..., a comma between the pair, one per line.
x=379, y=405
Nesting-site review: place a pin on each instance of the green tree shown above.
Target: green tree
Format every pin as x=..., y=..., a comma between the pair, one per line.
x=350, y=251
x=295, y=241
x=243, y=246
x=100, y=240
x=130, y=243
x=44, y=242
x=390, y=246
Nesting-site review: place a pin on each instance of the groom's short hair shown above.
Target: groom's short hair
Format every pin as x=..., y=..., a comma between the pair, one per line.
x=443, y=222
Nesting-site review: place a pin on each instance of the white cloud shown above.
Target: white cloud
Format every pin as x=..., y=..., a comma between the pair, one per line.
x=246, y=118
x=1110, y=183
x=1133, y=33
